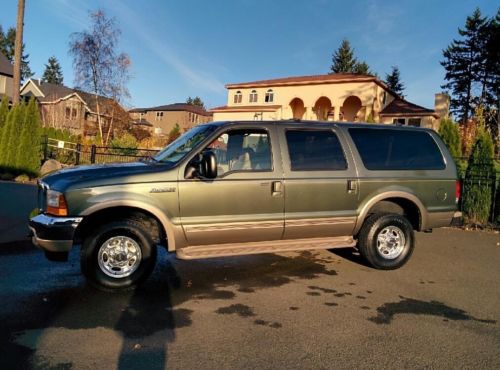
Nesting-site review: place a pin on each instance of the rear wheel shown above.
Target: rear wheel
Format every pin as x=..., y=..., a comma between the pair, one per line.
x=386, y=241
x=118, y=255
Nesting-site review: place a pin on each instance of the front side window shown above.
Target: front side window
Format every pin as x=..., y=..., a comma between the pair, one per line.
x=242, y=150
x=393, y=149
x=269, y=96
x=253, y=96
x=318, y=150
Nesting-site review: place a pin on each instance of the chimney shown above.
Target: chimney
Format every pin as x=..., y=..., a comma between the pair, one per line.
x=442, y=105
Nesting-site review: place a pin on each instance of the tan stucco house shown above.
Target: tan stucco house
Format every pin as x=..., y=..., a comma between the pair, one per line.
x=333, y=97
x=162, y=119
x=74, y=110
x=6, y=77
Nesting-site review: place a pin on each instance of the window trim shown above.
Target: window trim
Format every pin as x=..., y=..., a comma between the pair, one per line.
x=334, y=132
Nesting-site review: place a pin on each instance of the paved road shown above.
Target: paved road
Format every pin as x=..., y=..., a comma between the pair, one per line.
x=293, y=310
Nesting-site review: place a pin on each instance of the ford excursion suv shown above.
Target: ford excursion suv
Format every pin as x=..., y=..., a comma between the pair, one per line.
x=236, y=188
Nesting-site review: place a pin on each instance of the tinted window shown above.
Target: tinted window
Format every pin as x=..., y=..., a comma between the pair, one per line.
x=315, y=150
x=389, y=149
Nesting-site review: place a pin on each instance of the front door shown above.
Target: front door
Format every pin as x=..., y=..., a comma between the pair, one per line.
x=245, y=203
x=321, y=187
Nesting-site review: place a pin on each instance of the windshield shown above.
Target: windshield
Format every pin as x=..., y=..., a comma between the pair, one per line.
x=177, y=149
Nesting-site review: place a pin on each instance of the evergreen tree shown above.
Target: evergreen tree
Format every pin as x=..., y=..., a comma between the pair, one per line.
x=393, y=81
x=362, y=68
x=343, y=60
x=479, y=180
x=27, y=155
x=491, y=77
x=4, y=110
x=174, y=133
x=448, y=130
x=196, y=101
x=10, y=136
x=53, y=73
x=464, y=61
x=7, y=41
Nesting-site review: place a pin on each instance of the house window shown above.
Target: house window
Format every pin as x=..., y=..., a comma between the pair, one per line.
x=159, y=116
x=253, y=96
x=67, y=113
x=237, y=97
x=73, y=113
x=399, y=121
x=384, y=98
x=414, y=122
x=269, y=96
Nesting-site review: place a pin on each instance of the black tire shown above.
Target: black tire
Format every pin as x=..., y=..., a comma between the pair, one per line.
x=89, y=255
x=381, y=224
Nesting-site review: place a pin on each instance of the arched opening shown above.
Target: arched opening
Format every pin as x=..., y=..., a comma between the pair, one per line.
x=351, y=108
x=298, y=109
x=322, y=108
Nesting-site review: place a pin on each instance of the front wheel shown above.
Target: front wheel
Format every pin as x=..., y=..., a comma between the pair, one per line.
x=118, y=255
x=386, y=241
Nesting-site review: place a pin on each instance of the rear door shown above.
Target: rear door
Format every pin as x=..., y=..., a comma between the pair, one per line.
x=321, y=186
x=245, y=203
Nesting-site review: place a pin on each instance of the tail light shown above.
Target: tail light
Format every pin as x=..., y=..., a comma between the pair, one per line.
x=458, y=189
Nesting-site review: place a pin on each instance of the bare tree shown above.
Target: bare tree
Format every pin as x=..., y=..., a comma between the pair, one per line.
x=99, y=68
x=18, y=50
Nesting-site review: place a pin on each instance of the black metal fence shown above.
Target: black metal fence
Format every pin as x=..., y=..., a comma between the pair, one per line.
x=75, y=154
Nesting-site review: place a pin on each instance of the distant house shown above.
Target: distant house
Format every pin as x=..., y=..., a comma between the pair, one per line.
x=6, y=77
x=64, y=108
x=333, y=97
x=164, y=117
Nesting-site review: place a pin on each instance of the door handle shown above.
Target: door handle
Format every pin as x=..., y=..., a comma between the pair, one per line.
x=352, y=186
x=277, y=188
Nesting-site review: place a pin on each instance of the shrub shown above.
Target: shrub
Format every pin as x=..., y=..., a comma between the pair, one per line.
x=11, y=133
x=479, y=180
x=174, y=133
x=125, y=144
x=450, y=134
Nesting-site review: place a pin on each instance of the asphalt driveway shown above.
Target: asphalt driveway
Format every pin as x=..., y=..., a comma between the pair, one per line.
x=295, y=310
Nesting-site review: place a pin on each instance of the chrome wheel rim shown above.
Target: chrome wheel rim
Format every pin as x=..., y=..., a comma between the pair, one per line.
x=119, y=256
x=390, y=242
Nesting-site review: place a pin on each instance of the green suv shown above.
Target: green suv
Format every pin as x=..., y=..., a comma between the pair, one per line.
x=235, y=188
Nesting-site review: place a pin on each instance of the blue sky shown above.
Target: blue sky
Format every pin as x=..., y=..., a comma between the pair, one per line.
x=185, y=47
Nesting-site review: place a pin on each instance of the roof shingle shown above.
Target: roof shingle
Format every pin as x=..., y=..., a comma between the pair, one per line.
x=402, y=107
x=6, y=67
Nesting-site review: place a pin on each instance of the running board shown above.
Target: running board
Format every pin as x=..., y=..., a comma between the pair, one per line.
x=275, y=246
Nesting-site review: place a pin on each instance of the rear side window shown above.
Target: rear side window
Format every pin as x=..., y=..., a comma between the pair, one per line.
x=388, y=149
x=315, y=151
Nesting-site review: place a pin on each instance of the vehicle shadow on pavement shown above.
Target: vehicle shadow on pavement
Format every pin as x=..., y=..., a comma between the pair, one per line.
x=350, y=254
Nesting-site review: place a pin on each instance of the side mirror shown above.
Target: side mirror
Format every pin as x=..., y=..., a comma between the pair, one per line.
x=209, y=165
x=204, y=166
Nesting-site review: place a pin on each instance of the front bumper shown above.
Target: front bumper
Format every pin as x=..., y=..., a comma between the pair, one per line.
x=53, y=234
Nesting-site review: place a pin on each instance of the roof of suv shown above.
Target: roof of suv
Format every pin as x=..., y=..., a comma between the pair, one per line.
x=317, y=124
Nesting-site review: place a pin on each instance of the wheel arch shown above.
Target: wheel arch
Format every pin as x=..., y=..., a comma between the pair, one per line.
x=167, y=230
x=409, y=203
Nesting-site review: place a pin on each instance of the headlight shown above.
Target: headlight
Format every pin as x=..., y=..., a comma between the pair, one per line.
x=56, y=204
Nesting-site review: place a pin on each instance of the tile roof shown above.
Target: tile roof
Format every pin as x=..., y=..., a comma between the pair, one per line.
x=6, y=67
x=314, y=79
x=401, y=107
x=174, y=107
